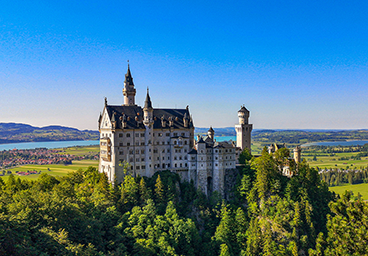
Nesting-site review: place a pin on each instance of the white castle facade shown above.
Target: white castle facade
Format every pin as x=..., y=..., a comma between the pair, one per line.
x=151, y=139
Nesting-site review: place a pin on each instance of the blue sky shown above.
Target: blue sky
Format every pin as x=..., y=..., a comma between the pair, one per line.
x=294, y=64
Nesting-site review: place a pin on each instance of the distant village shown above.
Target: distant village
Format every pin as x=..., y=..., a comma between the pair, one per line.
x=39, y=156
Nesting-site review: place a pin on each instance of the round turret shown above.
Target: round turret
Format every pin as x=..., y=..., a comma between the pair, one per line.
x=243, y=115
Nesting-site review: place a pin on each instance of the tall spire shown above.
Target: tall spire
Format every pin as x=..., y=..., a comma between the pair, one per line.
x=129, y=90
x=147, y=102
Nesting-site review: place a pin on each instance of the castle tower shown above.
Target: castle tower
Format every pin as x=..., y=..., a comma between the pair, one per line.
x=243, y=130
x=148, y=123
x=211, y=133
x=297, y=154
x=129, y=90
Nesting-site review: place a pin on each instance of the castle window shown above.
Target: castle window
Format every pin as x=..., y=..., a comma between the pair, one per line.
x=159, y=134
x=186, y=165
x=121, y=153
x=185, y=150
x=128, y=135
x=185, y=142
x=174, y=142
x=168, y=158
x=137, y=151
x=168, y=165
x=216, y=164
x=193, y=164
x=137, y=143
x=163, y=151
x=163, y=158
x=155, y=151
x=142, y=151
x=158, y=158
x=128, y=144
x=158, y=166
x=142, y=143
x=193, y=158
x=137, y=135
x=163, y=143
x=131, y=167
x=121, y=144
x=180, y=158
x=168, y=151
x=149, y=150
x=103, y=134
x=120, y=135
x=131, y=152
x=131, y=160
x=175, y=158
x=168, y=134
x=137, y=159
x=226, y=150
x=175, y=134
x=181, y=165
x=137, y=167
x=163, y=165
x=182, y=134
x=216, y=151
x=176, y=165
x=142, y=135
x=142, y=159
x=143, y=167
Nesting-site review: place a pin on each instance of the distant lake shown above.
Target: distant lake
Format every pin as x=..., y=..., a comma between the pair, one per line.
x=71, y=143
x=48, y=144
x=337, y=143
x=225, y=138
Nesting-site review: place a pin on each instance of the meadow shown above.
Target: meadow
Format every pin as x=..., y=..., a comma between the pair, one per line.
x=325, y=161
x=356, y=188
x=51, y=169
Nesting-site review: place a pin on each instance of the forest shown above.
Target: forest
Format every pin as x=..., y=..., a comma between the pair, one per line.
x=268, y=214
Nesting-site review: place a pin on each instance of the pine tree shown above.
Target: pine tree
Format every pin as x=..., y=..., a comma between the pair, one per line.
x=159, y=190
x=143, y=191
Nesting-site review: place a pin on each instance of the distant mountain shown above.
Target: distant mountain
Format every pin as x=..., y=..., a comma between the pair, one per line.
x=18, y=132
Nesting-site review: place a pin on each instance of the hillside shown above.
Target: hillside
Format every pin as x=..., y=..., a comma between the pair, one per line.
x=18, y=132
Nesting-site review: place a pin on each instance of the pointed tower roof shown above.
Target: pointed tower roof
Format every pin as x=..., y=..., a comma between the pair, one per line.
x=147, y=102
x=243, y=109
x=128, y=77
x=211, y=129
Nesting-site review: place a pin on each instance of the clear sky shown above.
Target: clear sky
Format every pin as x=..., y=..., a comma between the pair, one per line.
x=294, y=64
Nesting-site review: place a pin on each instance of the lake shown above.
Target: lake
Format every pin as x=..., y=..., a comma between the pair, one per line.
x=337, y=143
x=71, y=143
x=48, y=144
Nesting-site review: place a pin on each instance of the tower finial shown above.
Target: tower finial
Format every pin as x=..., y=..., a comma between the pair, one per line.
x=105, y=101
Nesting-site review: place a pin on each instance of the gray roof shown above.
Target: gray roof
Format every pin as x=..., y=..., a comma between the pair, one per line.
x=193, y=151
x=243, y=109
x=134, y=117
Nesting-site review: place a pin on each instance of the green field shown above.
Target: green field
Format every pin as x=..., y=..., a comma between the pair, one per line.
x=324, y=161
x=357, y=188
x=79, y=151
x=55, y=169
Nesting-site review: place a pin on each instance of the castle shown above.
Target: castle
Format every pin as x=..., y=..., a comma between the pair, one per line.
x=155, y=139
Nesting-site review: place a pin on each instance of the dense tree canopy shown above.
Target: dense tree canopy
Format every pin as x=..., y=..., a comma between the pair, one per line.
x=268, y=214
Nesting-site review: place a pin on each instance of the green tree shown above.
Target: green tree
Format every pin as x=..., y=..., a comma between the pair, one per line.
x=159, y=190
